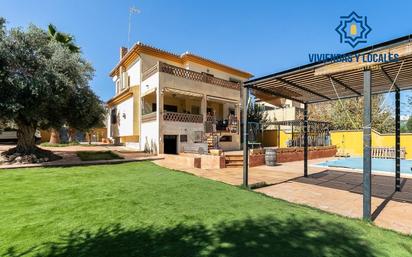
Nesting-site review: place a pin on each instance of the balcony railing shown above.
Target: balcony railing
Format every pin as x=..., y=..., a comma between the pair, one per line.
x=182, y=117
x=149, y=117
x=189, y=74
x=149, y=72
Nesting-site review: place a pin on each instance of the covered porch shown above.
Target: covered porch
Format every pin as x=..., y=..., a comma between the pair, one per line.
x=191, y=122
x=185, y=106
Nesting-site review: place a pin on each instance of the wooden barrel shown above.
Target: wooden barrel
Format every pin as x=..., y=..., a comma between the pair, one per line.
x=270, y=157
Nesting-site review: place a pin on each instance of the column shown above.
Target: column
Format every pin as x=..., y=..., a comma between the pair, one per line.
x=245, y=96
x=159, y=111
x=367, y=143
x=203, y=108
x=305, y=140
x=238, y=118
x=398, y=140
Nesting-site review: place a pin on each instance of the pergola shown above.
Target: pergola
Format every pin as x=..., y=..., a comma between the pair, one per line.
x=327, y=81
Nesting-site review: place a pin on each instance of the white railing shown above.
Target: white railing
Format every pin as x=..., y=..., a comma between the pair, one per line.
x=182, y=117
x=149, y=117
x=387, y=152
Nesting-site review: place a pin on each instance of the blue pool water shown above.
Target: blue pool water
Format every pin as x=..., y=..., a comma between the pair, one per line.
x=386, y=165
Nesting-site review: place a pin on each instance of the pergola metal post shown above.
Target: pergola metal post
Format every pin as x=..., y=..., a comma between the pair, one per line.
x=398, y=140
x=367, y=160
x=245, y=137
x=278, y=136
x=262, y=131
x=305, y=140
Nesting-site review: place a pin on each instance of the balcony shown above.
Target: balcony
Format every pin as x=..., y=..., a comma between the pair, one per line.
x=189, y=74
x=182, y=117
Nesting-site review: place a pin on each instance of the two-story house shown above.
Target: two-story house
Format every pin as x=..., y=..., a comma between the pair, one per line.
x=170, y=103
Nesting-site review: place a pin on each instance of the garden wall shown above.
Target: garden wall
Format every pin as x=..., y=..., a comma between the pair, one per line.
x=256, y=160
x=350, y=141
x=347, y=141
x=296, y=153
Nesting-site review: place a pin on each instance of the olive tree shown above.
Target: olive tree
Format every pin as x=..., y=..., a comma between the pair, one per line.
x=86, y=113
x=67, y=41
x=347, y=114
x=39, y=79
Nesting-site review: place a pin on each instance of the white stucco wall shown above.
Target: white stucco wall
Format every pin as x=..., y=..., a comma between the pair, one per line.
x=134, y=72
x=149, y=138
x=109, y=124
x=149, y=84
x=125, y=117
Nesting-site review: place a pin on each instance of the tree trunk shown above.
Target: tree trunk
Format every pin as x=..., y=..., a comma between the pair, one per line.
x=89, y=133
x=54, y=136
x=25, y=139
x=72, y=134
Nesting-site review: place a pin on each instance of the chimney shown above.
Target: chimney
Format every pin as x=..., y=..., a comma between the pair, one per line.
x=123, y=52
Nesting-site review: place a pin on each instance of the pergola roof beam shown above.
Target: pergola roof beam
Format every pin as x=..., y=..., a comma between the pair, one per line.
x=383, y=91
x=389, y=78
x=344, y=85
x=266, y=91
x=290, y=83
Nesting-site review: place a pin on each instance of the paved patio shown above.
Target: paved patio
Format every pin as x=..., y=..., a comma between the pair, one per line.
x=335, y=191
x=71, y=159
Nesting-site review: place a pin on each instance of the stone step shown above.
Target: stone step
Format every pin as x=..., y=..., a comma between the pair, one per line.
x=240, y=163
x=234, y=157
x=233, y=165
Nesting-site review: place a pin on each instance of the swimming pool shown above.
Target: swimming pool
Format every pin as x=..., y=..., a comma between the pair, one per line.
x=386, y=165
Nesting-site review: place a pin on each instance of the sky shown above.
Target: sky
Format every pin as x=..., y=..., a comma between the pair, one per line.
x=260, y=37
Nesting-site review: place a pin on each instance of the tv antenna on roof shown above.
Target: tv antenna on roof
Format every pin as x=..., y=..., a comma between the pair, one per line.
x=132, y=10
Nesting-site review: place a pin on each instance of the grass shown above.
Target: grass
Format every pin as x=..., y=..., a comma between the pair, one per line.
x=140, y=209
x=47, y=144
x=97, y=155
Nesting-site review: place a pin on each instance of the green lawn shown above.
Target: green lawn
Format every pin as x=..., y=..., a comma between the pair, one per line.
x=140, y=209
x=97, y=155
x=47, y=144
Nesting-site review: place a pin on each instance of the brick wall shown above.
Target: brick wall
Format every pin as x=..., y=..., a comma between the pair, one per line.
x=256, y=160
x=296, y=153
